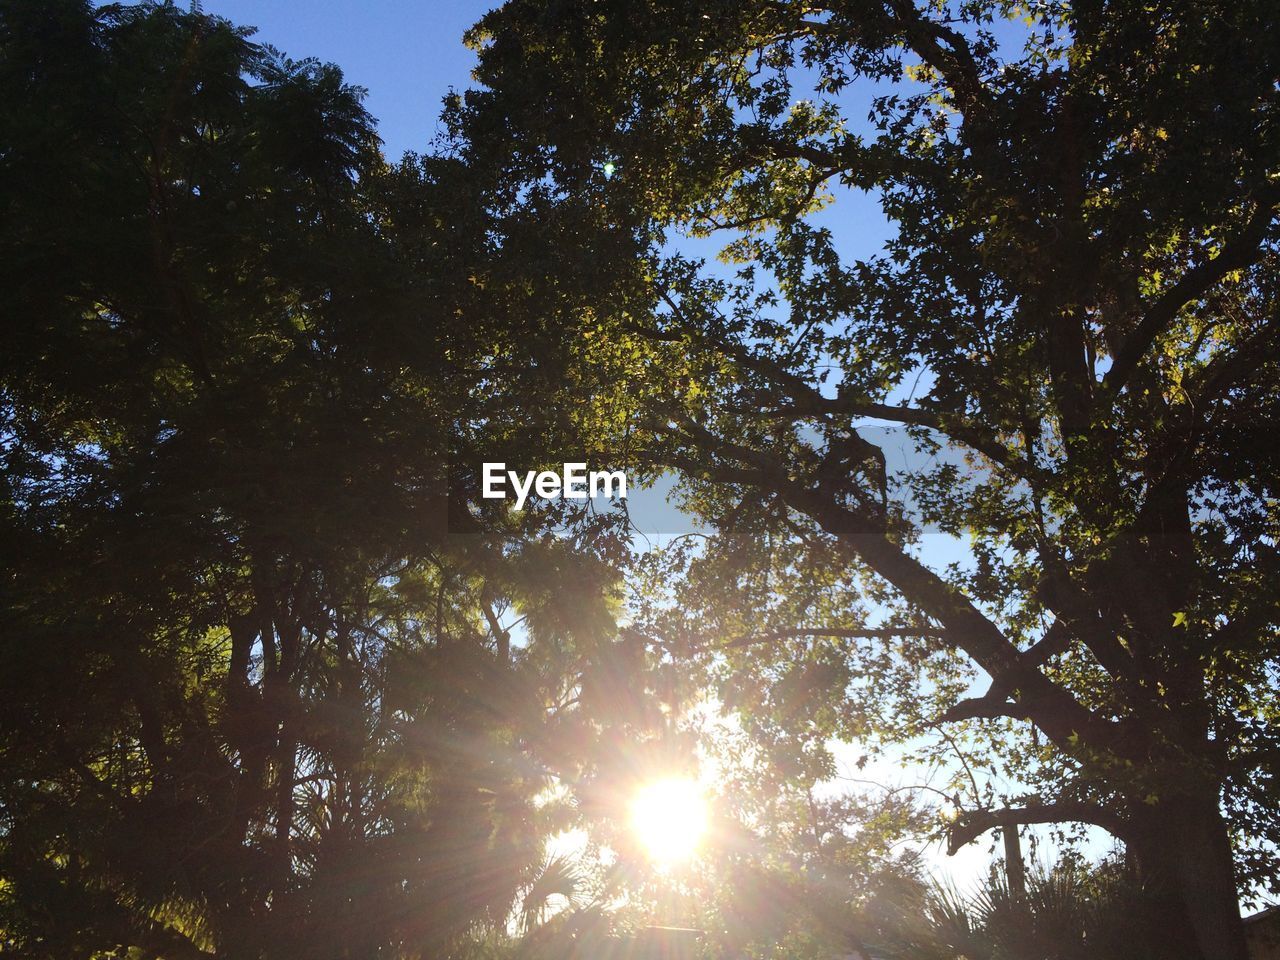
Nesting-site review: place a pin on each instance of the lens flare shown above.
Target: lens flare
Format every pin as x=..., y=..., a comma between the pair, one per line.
x=669, y=819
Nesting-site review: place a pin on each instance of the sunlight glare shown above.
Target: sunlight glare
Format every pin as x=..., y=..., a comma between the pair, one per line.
x=669, y=818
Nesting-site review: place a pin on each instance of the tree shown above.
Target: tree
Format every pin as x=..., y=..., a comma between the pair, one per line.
x=258, y=693
x=1075, y=305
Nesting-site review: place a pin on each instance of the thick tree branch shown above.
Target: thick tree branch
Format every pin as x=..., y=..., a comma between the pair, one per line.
x=870, y=633
x=1055, y=711
x=969, y=826
x=805, y=400
x=1229, y=367
x=989, y=706
x=995, y=702
x=944, y=49
x=1078, y=614
x=1194, y=284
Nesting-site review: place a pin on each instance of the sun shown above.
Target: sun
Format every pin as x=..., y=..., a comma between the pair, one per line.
x=669, y=819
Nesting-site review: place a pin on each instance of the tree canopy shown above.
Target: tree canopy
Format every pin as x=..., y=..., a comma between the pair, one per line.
x=985, y=477
x=259, y=695
x=1073, y=317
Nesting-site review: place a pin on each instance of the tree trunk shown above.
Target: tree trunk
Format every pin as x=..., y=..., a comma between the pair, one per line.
x=1014, y=869
x=1194, y=851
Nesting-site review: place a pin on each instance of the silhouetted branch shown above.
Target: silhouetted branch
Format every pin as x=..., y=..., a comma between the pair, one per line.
x=869, y=633
x=969, y=826
x=1194, y=284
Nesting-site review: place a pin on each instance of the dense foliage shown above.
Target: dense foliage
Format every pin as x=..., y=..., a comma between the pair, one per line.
x=258, y=690
x=1067, y=911
x=1072, y=319
x=276, y=681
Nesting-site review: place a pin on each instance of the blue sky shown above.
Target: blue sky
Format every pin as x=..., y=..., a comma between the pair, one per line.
x=407, y=53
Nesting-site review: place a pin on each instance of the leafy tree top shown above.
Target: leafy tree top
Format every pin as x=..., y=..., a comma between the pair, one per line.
x=1077, y=297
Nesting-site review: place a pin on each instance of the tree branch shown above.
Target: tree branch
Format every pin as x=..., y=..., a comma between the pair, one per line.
x=989, y=706
x=871, y=633
x=995, y=702
x=944, y=49
x=953, y=426
x=1062, y=718
x=1193, y=285
x=806, y=400
x=969, y=826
